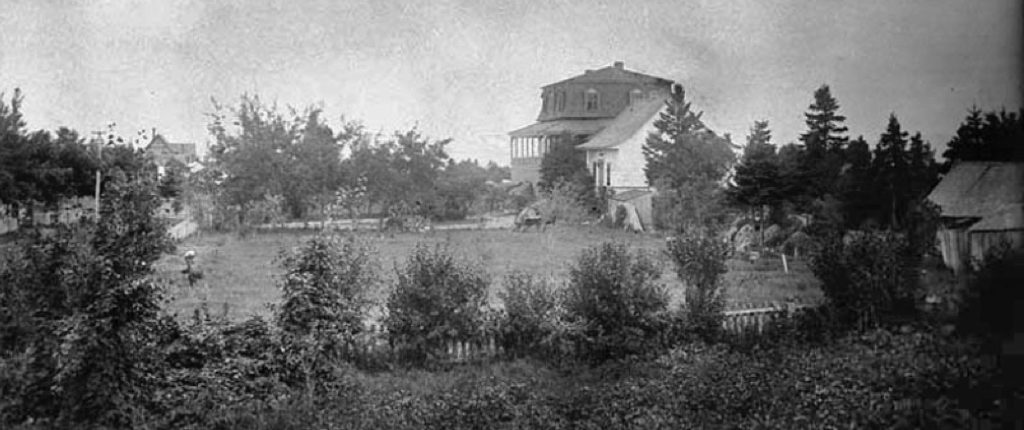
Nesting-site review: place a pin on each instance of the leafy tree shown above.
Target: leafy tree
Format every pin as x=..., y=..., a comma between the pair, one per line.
x=687, y=160
x=173, y=181
x=892, y=173
x=987, y=136
x=80, y=312
x=757, y=182
x=564, y=163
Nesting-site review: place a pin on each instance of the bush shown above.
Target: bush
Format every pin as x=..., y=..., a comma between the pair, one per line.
x=325, y=287
x=988, y=302
x=532, y=321
x=612, y=295
x=868, y=277
x=436, y=299
x=700, y=263
x=78, y=317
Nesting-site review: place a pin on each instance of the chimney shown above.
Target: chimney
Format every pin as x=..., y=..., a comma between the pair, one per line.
x=619, y=65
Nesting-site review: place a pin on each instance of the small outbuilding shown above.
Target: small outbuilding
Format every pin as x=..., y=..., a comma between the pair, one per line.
x=981, y=206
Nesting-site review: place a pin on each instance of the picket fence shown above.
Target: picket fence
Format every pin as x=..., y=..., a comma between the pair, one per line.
x=754, y=320
x=183, y=229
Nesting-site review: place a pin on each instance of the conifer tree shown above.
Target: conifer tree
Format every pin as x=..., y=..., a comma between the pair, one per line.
x=857, y=184
x=687, y=161
x=892, y=173
x=824, y=142
x=924, y=171
x=756, y=182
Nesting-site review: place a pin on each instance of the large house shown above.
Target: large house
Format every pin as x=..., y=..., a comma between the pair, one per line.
x=607, y=113
x=981, y=206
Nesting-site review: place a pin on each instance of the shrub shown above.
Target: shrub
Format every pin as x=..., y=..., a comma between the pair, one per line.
x=78, y=317
x=700, y=263
x=987, y=304
x=613, y=296
x=532, y=320
x=325, y=286
x=436, y=299
x=868, y=277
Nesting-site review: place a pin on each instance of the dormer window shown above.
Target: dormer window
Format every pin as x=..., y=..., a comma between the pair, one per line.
x=546, y=102
x=560, y=101
x=590, y=100
x=635, y=96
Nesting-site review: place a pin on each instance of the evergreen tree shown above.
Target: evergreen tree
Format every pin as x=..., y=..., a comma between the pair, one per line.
x=756, y=182
x=892, y=173
x=824, y=142
x=924, y=171
x=687, y=161
x=857, y=184
x=987, y=137
x=682, y=149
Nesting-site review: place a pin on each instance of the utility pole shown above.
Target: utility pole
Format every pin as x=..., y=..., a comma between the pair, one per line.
x=99, y=165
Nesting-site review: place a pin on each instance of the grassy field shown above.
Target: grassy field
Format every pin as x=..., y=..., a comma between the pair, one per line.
x=240, y=274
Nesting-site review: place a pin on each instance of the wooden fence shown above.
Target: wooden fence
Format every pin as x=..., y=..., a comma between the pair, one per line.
x=183, y=229
x=374, y=343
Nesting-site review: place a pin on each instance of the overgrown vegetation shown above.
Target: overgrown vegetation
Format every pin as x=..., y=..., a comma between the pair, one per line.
x=700, y=263
x=437, y=298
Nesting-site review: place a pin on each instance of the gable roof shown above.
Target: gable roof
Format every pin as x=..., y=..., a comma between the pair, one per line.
x=173, y=148
x=630, y=121
x=613, y=73
x=977, y=189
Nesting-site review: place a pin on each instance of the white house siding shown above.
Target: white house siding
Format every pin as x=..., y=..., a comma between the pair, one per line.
x=627, y=159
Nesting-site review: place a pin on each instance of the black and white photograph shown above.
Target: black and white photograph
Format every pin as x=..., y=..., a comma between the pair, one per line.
x=511, y=214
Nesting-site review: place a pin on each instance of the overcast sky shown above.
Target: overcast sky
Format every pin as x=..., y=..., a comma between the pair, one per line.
x=472, y=70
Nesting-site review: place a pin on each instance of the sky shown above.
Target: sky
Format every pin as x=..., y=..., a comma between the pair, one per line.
x=471, y=70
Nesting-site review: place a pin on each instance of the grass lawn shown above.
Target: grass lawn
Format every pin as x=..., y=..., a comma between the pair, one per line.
x=241, y=273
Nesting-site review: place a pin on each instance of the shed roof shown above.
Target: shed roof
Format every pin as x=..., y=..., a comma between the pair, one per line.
x=560, y=126
x=625, y=125
x=979, y=189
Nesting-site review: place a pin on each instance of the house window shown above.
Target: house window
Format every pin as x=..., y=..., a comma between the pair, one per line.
x=635, y=96
x=608, y=175
x=560, y=101
x=590, y=100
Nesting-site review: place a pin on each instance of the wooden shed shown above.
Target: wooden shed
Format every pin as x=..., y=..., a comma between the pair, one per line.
x=982, y=207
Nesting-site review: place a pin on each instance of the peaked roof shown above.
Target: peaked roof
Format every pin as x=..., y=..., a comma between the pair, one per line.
x=630, y=121
x=613, y=73
x=175, y=148
x=978, y=189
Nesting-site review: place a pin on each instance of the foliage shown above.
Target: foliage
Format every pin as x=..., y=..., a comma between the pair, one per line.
x=613, y=295
x=436, y=298
x=564, y=164
x=824, y=142
x=987, y=136
x=79, y=315
x=687, y=162
x=868, y=277
x=325, y=287
x=700, y=263
x=532, y=320
x=756, y=182
x=988, y=302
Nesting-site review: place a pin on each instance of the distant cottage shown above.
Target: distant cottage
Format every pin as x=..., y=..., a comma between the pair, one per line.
x=982, y=206
x=611, y=111
x=163, y=151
